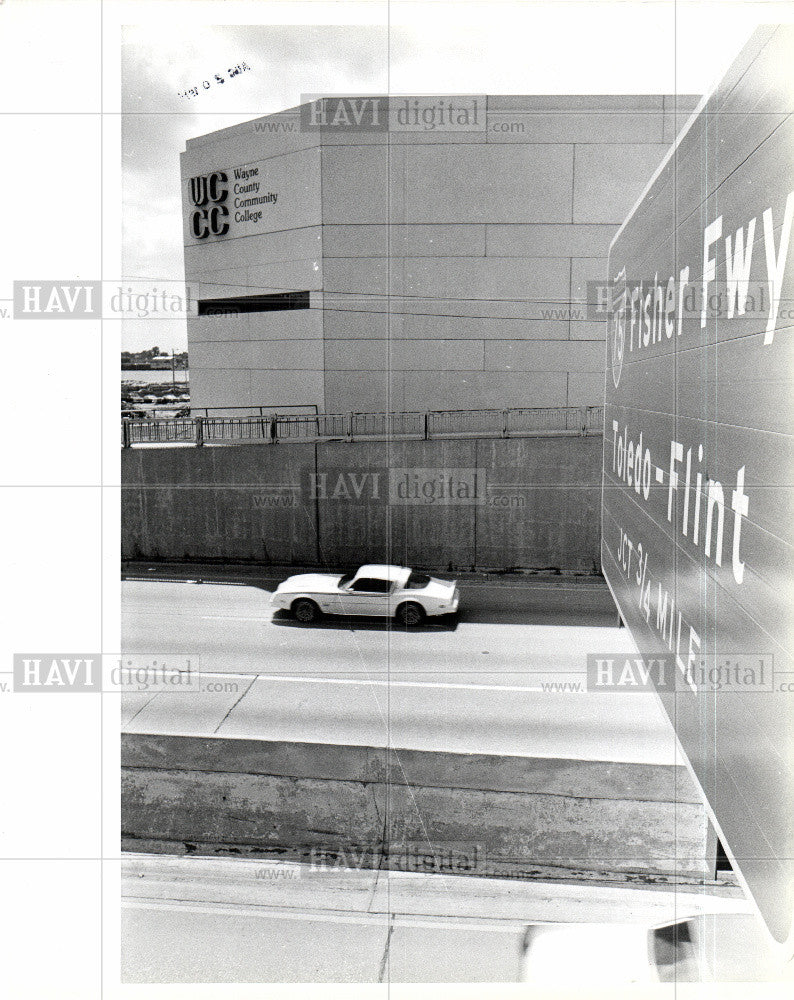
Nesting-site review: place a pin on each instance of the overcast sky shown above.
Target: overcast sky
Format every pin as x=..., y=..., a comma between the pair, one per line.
x=527, y=48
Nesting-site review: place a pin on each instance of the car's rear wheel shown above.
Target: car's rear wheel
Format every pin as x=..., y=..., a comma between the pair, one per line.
x=305, y=610
x=410, y=614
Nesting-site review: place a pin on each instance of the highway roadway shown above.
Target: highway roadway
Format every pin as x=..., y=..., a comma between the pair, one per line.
x=474, y=685
x=233, y=628
x=493, y=681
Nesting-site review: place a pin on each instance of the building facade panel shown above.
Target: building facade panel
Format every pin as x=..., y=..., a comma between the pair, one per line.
x=420, y=240
x=220, y=283
x=437, y=355
x=493, y=183
x=282, y=245
x=217, y=330
x=288, y=387
x=587, y=329
x=491, y=390
x=543, y=279
x=297, y=355
x=357, y=355
x=597, y=196
x=261, y=138
x=648, y=103
x=584, y=271
x=236, y=354
x=543, y=356
x=285, y=276
x=575, y=126
x=471, y=328
x=428, y=305
x=432, y=390
x=264, y=195
x=404, y=355
x=548, y=240
x=219, y=387
x=355, y=183
x=258, y=214
x=431, y=268
x=347, y=325
x=264, y=327
x=584, y=387
x=365, y=394
x=367, y=276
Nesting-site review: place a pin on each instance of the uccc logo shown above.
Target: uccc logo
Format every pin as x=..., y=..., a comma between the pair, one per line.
x=208, y=193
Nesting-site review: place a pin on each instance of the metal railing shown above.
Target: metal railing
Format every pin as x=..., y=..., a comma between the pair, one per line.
x=458, y=423
x=275, y=428
x=178, y=431
x=556, y=420
x=379, y=425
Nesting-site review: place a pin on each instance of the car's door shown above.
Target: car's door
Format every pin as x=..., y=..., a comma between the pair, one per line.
x=366, y=596
x=330, y=598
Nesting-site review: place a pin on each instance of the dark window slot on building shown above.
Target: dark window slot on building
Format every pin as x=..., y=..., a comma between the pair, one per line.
x=253, y=303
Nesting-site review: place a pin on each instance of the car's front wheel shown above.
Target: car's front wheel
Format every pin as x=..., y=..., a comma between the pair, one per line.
x=410, y=614
x=305, y=610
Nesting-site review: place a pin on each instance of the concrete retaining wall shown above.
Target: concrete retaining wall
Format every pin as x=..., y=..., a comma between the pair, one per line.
x=218, y=503
x=488, y=814
x=328, y=503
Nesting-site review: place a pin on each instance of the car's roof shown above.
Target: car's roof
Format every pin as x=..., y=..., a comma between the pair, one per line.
x=382, y=571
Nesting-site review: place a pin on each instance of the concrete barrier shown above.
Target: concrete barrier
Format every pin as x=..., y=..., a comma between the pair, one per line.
x=410, y=530
x=369, y=806
x=236, y=502
x=339, y=504
x=544, y=503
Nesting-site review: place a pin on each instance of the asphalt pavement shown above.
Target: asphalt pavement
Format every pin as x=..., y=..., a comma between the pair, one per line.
x=507, y=675
x=492, y=680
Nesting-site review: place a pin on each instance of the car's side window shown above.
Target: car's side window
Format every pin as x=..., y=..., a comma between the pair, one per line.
x=370, y=585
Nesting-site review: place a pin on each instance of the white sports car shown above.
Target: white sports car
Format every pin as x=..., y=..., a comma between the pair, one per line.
x=383, y=591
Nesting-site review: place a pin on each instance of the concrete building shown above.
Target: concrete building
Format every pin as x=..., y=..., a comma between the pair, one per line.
x=411, y=253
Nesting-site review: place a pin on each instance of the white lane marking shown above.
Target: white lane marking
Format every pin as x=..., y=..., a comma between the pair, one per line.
x=393, y=683
x=389, y=682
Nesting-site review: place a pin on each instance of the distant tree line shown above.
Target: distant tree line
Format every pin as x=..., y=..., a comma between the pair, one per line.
x=152, y=358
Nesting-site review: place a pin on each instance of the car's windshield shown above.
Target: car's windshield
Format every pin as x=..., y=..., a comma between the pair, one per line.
x=417, y=581
x=346, y=580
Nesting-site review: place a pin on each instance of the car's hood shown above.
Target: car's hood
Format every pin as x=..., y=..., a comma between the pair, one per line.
x=316, y=583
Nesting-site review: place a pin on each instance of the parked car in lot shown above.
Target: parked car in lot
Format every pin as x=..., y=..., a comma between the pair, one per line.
x=378, y=590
